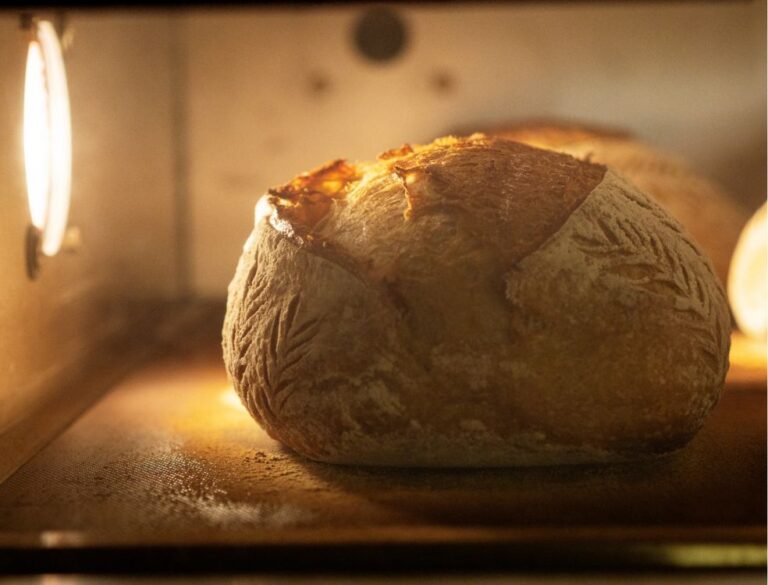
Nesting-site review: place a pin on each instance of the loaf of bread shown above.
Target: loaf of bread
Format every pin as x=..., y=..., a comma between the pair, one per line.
x=713, y=218
x=473, y=302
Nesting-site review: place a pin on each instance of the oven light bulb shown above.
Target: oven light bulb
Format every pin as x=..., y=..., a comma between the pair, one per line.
x=47, y=137
x=37, y=136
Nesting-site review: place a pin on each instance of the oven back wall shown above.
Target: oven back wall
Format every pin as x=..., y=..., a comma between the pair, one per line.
x=119, y=69
x=271, y=93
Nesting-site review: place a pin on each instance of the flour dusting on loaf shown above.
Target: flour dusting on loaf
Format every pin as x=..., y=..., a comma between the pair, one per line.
x=473, y=302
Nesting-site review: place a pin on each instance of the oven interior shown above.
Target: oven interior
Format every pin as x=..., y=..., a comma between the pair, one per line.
x=122, y=444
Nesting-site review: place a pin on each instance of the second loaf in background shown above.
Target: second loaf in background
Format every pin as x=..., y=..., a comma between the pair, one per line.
x=712, y=217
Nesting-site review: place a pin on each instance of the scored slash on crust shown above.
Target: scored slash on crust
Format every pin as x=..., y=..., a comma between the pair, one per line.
x=626, y=245
x=288, y=346
x=626, y=313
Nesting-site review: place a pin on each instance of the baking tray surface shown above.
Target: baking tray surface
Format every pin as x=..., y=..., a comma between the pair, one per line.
x=170, y=461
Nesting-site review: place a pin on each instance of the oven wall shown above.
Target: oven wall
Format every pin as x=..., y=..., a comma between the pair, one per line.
x=123, y=200
x=181, y=120
x=270, y=93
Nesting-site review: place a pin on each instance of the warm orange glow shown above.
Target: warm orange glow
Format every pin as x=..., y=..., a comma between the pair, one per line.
x=231, y=399
x=748, y=353
x=47, y=137
x=748, y=276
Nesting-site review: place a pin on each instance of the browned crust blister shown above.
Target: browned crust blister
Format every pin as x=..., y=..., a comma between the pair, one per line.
x=539, y=191
x=473, y=302
x=306, y=200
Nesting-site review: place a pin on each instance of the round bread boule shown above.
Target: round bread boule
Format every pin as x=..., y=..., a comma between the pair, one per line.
x=473, y=302
x=712, y=217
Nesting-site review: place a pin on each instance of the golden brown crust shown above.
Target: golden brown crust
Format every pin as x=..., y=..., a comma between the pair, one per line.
x=307, y=199
x=475, y=303
x=539, y=190
x=511, y=196
x=713, y=218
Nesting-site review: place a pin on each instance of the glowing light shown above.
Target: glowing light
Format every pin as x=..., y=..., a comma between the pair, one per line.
x=47, y=137
x=264, y=209
x=231, y=399
x=37, y=137
x=748, y=278
x=748, y=353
